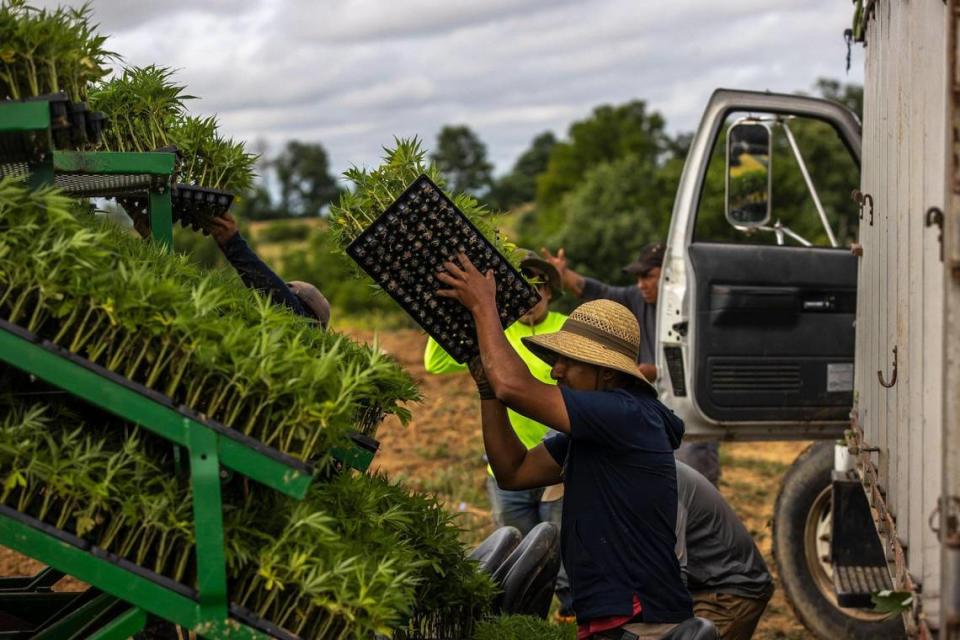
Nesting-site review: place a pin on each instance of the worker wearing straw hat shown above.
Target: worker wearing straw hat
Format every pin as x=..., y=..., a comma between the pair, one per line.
x=613, y=452
x=641, y=299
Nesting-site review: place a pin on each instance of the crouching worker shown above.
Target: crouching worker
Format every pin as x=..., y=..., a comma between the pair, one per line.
x=613, y=452
x=302, y=298
x=725, y=571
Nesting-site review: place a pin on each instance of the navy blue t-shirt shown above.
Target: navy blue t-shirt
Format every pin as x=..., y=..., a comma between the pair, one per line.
x=620, y=505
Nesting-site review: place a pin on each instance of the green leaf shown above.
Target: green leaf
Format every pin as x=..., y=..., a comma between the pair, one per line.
x=892, y=602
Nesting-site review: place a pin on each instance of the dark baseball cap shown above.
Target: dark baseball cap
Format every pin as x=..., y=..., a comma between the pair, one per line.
x=533, y=262
x=651, y=256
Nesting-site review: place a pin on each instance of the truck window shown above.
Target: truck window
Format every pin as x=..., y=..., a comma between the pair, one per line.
x=832, y=169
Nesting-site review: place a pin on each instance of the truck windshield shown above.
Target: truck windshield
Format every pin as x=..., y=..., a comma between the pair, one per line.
x=832, y=171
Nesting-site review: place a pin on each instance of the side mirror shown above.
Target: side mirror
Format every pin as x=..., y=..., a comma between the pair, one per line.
x=749, y=176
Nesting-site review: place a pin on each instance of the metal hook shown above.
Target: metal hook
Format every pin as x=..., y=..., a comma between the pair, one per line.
x=893, y=378
x=857, y=196
x=863, y=199
x=934, y=216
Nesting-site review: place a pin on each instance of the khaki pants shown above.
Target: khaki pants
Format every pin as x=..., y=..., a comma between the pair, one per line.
x=735, y=617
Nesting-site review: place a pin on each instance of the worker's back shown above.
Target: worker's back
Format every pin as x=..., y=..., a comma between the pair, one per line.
x=720, y=553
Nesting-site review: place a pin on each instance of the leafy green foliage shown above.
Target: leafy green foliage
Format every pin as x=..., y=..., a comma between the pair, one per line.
x=461, y=158
x=608, y=134
x=143, y=104
x=204, y=340
x=406, y=538
x=149, y=112
x=520, y=185
x=374, y=190
x=303, y=173
x=523, y=628
x=46, y=51
x=107, y=485
x=619, y=207
x=358, y=556
x=285, y=231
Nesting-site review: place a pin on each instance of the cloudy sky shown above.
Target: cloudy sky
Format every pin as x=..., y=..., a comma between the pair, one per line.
x=351, y=74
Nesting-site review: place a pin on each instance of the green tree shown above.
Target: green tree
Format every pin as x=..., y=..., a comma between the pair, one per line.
x=520, y=185
x=461, y=157
x=618, y=207
x=256, y=204
x=610, y=133
x=850, y=95
x=303, y=176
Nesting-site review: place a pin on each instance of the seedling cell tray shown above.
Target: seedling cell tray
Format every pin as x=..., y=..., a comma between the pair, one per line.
x=406, y=247
x=191, y=206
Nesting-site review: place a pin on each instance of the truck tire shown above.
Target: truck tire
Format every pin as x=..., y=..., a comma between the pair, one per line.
x=801, y=520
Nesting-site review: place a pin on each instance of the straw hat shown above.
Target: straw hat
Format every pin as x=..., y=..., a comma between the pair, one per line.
x=600, y=332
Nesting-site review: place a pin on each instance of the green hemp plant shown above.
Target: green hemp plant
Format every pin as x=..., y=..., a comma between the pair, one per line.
x=48, y=51
x=200, y=338
x=149, y=112
x=360, y=555
x=374, y=190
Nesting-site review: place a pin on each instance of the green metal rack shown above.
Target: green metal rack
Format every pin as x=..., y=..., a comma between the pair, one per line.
x=122, y=593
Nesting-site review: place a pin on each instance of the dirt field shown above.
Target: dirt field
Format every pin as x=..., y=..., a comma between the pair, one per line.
x=441, y=451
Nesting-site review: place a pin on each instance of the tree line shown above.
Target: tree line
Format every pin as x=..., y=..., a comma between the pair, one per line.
x=602, y=191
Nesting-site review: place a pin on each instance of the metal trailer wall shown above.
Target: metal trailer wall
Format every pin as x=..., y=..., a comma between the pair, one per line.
x=900, y=300
x=950, y=504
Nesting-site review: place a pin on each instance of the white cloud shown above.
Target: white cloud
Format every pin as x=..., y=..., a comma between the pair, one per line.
x=351, y=74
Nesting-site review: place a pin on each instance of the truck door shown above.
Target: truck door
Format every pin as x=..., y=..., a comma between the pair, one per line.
x=767, y=314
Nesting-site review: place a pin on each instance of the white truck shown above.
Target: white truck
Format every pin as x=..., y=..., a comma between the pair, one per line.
x=811, y=290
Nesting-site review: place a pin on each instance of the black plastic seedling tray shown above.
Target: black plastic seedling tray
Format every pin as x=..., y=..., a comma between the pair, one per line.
x=406, y=247
x=196, y=206
x=191, y=206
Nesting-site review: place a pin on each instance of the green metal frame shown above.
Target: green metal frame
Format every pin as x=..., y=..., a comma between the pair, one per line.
x=119, y=582
x=207, y=446
x=16, y=117
x=288, y=478
x=27, y=117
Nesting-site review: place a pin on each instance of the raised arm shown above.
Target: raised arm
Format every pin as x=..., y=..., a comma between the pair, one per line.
x=252, y=270
x=514, y=466
x=510, y=378
x=581, y=286
x=572, y=281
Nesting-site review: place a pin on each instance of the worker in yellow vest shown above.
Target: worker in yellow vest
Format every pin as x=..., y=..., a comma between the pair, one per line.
x=523, y=509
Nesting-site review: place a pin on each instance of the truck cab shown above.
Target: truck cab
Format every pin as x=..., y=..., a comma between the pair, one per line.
x=757, y=299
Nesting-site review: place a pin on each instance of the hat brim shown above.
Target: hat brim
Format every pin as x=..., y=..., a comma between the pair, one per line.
x=549, y=346
x=550, y=271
